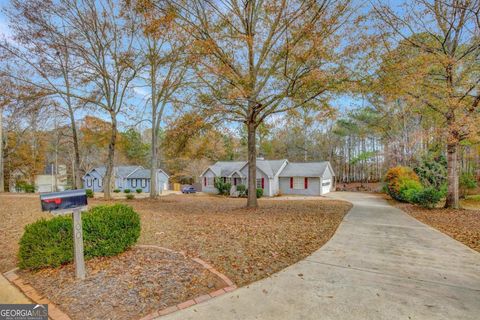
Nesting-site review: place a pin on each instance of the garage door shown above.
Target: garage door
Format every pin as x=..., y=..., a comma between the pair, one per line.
x=326, y=185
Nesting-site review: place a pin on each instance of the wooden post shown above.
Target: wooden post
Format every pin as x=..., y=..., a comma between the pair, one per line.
x=78, y=244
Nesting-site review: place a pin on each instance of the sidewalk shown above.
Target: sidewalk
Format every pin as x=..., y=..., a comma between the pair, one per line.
x=9, y=294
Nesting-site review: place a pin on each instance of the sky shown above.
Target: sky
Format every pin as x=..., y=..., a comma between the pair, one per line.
x=343, y=103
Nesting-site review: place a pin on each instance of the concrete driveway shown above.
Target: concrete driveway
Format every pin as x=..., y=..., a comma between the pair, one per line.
x=380, y=264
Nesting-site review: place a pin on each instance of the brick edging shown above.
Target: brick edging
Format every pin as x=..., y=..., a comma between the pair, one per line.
x=54, y=311
x=202, y=298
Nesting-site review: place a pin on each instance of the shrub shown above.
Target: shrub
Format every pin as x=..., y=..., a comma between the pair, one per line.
x=427, y=197
x=467, y=181
x=242, y=190
x=408, y=188
x=130, y=196
x=259, y=192
x=107, y=231
x=116, y=190
x=25, y=187
x=126, y=191
x=432, y=170
x=222, y=187
x=394, y=178
x=139, y=190
x=89, y=193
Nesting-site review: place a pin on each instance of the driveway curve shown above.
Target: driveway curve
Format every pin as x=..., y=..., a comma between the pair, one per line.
x=380, y=264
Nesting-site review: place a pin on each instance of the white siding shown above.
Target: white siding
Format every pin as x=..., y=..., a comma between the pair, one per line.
x=208, y=189
x=312, y=190
x=267, y=182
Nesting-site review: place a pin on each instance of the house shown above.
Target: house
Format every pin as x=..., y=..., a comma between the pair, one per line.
x=274, y=176
x=125, y=177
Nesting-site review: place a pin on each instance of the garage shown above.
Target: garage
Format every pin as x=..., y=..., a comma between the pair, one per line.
x=326, y=186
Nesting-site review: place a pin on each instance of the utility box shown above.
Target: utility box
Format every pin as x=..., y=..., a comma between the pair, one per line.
x=63, y=201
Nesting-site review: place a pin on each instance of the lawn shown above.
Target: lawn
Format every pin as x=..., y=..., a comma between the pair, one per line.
x=246, y=245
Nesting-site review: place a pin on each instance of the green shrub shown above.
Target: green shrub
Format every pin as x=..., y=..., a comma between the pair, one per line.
x=126, y=191
x=427, y=197
x=432, y=170
x=394, y=179
x=107, y=231
x=222, y=187
x=241, y=188
x=116, y=190
x=139, y=190
x=259, y=192
x=25, y=187
x=130, y=196
x=467, y=182
x=407, y=189
x=89, y=193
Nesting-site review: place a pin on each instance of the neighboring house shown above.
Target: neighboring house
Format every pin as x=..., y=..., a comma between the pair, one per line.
x=48, y=181
x=274, y=176
x=125, y=177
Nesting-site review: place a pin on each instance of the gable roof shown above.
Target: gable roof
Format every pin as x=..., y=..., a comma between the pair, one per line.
x=305, y=169
x=227, y=168
x=119, y=171
x=143, y=174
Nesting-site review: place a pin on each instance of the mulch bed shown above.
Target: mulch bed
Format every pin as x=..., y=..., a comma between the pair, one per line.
x=128, y=286
x=460, y=224
x=360, y=187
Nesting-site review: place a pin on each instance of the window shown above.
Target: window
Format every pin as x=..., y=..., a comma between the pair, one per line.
x=298, y=183
x=210, y=181
x=144, y=183
x=100, y=181
x=89, y=182
x=134, y=183
x=326, y=183
x=261, y=183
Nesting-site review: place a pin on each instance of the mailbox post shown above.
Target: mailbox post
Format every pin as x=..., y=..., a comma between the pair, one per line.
x=65, y=202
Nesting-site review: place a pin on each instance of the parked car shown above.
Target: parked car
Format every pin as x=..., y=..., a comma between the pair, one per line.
x=189, y=189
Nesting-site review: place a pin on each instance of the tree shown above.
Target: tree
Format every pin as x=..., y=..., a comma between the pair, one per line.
x=42, y=38
x=258, y=58
x=166, y=66
x=443, y=35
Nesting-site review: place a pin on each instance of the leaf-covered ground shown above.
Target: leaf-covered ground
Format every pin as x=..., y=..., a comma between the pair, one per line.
x=462, y=225
x=246, y=245
x=128, y=286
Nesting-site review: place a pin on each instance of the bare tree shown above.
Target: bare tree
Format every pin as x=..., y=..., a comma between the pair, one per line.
x=166, y=69
x=446, y=35
x=257, y=58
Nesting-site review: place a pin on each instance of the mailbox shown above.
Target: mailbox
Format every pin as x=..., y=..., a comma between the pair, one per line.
x=64, y=201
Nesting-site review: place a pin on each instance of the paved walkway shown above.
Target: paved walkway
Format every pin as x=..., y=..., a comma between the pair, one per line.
x=380, y=264
x=10, y=294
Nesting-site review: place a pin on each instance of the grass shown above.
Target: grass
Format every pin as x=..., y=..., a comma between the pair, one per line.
x=244, y=244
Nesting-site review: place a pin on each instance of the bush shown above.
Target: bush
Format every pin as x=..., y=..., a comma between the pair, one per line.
x=427, y=197
x=25, y=187
x=89, y=193
x=408, y=189
x=116, y=190
x=222, y=187
x=130, y=196
x=107, y=231
x=242, y=189
x=394, y=179
x=139, y=190
x=432, y=170
x=467, y=182
x=126, y=191
x=259, y=192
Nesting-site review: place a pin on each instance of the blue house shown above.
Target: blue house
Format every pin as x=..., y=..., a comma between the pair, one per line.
x=125, y=177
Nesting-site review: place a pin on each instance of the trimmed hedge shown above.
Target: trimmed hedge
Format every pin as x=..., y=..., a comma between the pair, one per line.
x=107, y=231
x=259, y=192
x=89, y=193
x=139, y=190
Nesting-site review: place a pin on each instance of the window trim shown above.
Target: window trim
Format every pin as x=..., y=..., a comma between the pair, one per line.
x=143, y=183
x=132, y=181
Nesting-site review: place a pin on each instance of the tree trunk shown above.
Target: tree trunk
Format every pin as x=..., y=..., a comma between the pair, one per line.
x=107, y=183
x=452, y=176
x=2, y=177
x=252, y=166
x=153, y=161
x=76, y=151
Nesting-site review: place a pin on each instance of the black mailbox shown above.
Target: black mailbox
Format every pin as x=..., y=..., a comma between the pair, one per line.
x=64, y=200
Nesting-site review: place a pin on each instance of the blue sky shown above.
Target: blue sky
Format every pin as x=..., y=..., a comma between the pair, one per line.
x=342, y=103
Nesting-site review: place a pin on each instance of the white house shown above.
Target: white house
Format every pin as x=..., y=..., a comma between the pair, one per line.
x=126, y=177
x=274, y=176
